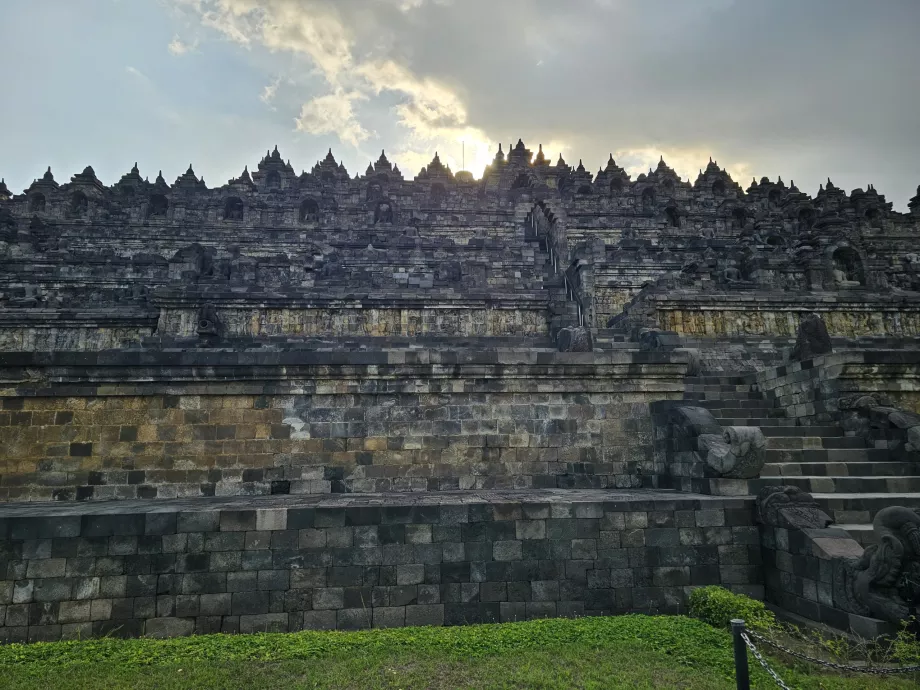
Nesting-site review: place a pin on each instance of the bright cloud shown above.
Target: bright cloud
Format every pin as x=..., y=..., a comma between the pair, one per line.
x=179, y=47
x=333, y=114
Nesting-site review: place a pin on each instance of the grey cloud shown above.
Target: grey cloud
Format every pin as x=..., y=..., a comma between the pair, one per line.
x=802, y=89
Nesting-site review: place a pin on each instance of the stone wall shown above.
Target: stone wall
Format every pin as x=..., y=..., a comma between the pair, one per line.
x=811, y=391
x=362, y=320
x=217, y=422
x=209, y=566
x=753, y=317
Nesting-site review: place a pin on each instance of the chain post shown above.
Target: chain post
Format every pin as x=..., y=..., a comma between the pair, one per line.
x=742, y=674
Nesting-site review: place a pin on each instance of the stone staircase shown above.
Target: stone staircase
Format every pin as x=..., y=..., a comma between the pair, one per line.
x=849, y=480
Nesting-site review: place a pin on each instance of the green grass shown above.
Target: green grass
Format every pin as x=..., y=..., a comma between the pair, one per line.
x=616, y=652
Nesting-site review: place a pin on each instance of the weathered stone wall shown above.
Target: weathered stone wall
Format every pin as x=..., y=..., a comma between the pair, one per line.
x=360, y=320
x=206, y=422
x=811, y=391
x=760, y=319
x=802, y=569
x=214, y=566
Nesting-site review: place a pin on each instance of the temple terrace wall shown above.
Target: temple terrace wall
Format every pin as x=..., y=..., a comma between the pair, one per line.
x=212, y=422
x=178, y=567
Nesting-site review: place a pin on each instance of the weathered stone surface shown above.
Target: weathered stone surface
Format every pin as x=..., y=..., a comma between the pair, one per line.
x=812, y=339
x=553, y=565
x=790, y=508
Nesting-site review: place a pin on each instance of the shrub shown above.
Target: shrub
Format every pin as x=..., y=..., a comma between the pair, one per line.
x=717, y=606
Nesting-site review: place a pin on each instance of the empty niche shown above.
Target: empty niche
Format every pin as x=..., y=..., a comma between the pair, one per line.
x=79, y=204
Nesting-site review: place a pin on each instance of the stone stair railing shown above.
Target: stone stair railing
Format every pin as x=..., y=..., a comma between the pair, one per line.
x=820, y=572
x=702, y=456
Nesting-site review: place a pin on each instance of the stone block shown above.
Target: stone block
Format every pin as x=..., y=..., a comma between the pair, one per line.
x=424, y=615
x=265, y=622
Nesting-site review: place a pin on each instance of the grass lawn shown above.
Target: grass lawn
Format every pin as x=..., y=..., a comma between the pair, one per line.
x=617, y=652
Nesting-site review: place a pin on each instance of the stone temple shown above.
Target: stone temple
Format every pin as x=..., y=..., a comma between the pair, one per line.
x=322, y=401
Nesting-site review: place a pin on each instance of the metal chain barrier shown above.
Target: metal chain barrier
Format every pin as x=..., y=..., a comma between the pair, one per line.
x=763, y=662
x=828, y=664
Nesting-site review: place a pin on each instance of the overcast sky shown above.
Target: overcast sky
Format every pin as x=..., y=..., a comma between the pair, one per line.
x=805, y=89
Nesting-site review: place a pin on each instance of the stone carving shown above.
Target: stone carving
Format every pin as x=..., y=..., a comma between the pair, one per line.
x=737, y=452
x=869, y=416
x=654, y=339
x=812, y=340
x=383, y=213
x=209, y=324
x=884, y=582
x=790, y=508
x=574, y=340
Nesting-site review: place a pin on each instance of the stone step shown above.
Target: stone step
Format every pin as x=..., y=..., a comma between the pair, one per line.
x=715, y=388
x=723, y=395
x=861, y=533
x=844, y=485
x=715, y=380
x=829, y=455
x=813, y=442
x=733, y=412
x=804, y=431
x=860, y=508
x=751, y=404
x=841, y=469
x=757, y=421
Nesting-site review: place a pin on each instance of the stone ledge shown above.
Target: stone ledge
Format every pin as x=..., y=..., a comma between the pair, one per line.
x=625, y=500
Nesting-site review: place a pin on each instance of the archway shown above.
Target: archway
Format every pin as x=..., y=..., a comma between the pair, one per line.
x=648, y=199
x=847, y=267
x=79, y=204
x=157, y=206
x=233, y=208
x=309, y=211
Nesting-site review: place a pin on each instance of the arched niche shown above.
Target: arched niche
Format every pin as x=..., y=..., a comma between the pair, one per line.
x=273, y=180
x=718, y=188
x=585, y=190
x=384, y=213
x=233, y=208
x=673, y=216
x=739, y=217
x=847, y=267
x=127, y=191
x=157, y=206
x=79, y=204
x=616, y=186
x=309, y=211
x=648, y=199
x=437, y=192
x=374, y=192
x=522, y=181
x=37, y=202
x=773, y=197
x=806, y=218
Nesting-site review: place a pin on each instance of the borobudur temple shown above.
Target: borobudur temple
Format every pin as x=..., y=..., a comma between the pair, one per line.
x=319, y=401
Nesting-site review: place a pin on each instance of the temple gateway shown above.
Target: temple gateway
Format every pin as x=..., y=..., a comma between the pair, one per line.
x=322, y=401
